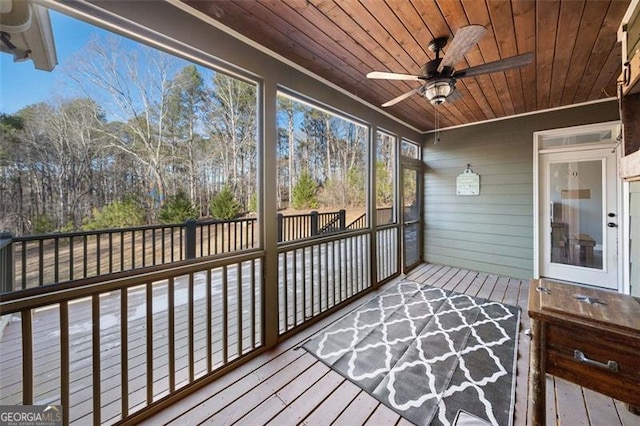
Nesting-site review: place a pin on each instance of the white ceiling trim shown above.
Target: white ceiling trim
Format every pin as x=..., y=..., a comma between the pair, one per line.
x=524, y=114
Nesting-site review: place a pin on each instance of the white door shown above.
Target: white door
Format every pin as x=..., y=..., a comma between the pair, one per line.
x=579, y=217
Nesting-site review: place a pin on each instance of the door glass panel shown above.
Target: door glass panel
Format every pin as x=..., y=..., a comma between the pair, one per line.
x=411, y=216
x=385, y=178
x=576, y=196
x=602, y=136
x=410, y=195
x=411, y=244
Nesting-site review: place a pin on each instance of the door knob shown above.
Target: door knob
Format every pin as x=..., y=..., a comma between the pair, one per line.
x=611, y=215
x=612, y=225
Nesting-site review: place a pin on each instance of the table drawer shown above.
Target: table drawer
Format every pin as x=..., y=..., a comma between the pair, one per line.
x=608, y=364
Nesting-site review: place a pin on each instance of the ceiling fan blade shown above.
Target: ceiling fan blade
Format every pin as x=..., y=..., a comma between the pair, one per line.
x=392, y=76
x=501, y=65
x=401, y=97
x=464, y=40
x=454, y=96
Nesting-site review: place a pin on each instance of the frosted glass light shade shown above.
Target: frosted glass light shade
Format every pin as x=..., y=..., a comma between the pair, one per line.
x=438, y=91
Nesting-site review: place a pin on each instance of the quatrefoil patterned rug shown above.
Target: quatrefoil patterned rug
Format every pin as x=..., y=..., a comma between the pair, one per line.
x=427, y=353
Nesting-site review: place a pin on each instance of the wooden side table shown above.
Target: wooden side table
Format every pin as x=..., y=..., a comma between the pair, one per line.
x=586, y=336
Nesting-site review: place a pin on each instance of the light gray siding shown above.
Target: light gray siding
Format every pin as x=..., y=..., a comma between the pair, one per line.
x=634, y=238
x=492, y=232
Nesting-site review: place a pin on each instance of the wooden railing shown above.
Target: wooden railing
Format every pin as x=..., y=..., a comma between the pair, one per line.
x=107, y=350
x=384, y=216
x=306, y=225
x=35, y=261
x=359, y=223
x=317, y=275
x=62, y=257
x=388, y=259
x=6, y=263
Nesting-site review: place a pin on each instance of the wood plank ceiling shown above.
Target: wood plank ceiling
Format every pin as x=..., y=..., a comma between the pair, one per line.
x=577, y=58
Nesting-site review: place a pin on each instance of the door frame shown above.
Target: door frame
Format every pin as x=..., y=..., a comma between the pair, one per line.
x=416, y=165
x=622, y=207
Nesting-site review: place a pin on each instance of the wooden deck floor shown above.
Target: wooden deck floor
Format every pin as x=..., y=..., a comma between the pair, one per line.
x=287, y=385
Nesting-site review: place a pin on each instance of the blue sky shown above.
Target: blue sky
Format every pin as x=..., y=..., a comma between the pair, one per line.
x=21, y=84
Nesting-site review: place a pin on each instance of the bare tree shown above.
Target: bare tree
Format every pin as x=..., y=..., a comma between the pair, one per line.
x=385, y=167
x=185, y=110
x=135, y=86
x=12, y=171
x=288, y=168
x=60, y=146
x=232, y=126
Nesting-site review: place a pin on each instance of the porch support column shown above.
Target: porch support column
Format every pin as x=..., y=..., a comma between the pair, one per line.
x=372, y=207
x=269, y=211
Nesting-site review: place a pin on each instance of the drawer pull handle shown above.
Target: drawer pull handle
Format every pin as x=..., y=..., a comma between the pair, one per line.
x=610, y=365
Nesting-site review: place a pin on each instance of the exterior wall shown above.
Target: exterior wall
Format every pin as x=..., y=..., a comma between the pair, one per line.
x=634, y=238
x=492, y=232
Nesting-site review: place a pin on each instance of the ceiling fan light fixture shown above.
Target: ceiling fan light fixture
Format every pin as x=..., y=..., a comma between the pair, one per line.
x=438, y=91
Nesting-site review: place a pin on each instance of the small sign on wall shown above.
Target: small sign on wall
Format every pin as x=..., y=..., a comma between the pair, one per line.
x=468, y=183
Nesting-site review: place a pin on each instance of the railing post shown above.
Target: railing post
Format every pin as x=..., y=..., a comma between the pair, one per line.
x=6, y=262
x=190, y=239
x=314, y=223
x=343, y=219
x=280, y=226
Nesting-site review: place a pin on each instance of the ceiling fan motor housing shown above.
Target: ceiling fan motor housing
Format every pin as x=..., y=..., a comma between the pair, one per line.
x=430, y=69
x=437, y=90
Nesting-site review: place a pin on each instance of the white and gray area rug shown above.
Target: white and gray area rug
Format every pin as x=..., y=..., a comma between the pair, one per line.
x=427, y=353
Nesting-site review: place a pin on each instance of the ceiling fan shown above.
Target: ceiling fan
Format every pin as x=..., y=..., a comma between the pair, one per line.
x=439, y=77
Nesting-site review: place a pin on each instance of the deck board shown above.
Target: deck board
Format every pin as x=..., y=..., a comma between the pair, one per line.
x=487, y=287
x=476, y=284
x=601, y=410
x=304, y=403
x=236, y=410
x=455, y=280
x=499, y=289
x=287, y=385
x=238, y=389
x=357, y=413
x=522, y=374
x=383, y=415
x=626, y=417
x=464, y=284
x=263, y=413
x=334, y=405
x=551, y=399
x=570, y=403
